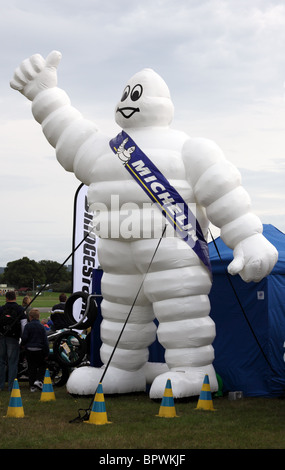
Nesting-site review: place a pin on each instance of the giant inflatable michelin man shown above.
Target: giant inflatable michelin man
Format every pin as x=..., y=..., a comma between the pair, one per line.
x=176, y=287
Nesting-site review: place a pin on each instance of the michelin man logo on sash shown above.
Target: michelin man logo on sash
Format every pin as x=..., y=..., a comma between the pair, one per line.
x=123, y=153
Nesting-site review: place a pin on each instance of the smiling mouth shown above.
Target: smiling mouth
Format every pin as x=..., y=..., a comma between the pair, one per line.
x=128, y=112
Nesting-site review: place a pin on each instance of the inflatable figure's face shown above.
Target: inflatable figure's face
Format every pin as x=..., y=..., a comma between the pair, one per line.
x=145, y=102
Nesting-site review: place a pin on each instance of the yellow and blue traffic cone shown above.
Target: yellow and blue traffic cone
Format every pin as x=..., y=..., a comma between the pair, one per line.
x=15, y=408
x=205, y=401
x=98, y=413
x=167, y=408
x=47, y=391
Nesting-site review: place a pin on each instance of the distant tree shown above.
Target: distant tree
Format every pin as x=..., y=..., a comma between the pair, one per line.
x=54, y=272
x=63, y=287
x=29, y=273
x=23, y=273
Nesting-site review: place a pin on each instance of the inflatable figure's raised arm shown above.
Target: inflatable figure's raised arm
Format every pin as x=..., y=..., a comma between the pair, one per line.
x=217, y=187
x=63, y=126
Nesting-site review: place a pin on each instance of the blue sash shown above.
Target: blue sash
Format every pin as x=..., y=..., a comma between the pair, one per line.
x=160, y=191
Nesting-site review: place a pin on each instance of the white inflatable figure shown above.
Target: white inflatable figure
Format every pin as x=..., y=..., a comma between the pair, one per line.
x=176, y=288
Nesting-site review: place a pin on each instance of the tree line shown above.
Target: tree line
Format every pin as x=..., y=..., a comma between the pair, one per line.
x=28, y=273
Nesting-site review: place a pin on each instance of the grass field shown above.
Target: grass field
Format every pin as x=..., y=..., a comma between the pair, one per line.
x=46, y=299
x=248, y=423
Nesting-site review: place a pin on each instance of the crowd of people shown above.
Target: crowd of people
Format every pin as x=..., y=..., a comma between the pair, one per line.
x=21, y=328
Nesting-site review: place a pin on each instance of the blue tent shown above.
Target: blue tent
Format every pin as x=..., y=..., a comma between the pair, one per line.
x=250, y=323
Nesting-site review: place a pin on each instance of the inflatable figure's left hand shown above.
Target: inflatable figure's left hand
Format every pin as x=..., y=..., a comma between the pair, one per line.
x=254, y=258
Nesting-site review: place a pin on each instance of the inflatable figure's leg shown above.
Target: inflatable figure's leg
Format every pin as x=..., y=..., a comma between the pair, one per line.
x=178, y=286
x=120, y=285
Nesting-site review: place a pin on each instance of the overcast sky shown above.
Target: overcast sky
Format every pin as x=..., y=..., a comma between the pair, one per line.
x=223, y=61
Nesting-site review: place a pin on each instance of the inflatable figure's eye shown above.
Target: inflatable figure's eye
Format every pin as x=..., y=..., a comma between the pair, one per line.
x=126, y=93
x=136, y=92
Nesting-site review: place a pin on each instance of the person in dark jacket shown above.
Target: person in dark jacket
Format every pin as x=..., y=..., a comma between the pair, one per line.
x=57, y=315
x=12, y=323
x=35, y=342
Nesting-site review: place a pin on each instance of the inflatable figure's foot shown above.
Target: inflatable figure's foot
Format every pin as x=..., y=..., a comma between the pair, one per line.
x=185, y=382
x=85, y=380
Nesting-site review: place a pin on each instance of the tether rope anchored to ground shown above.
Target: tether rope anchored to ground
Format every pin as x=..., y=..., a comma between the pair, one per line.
x=88, y=410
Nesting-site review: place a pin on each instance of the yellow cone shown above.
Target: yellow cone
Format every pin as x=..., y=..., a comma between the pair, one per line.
x=98, y=413
x=205, y=401
x=47, y=391
x=167, y=408
x=15, y=408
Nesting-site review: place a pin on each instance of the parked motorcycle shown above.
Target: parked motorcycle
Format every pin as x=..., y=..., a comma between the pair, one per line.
x=58, y=373
x=68, y=347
